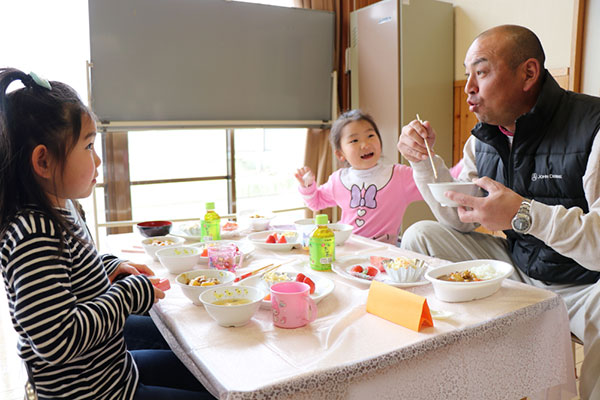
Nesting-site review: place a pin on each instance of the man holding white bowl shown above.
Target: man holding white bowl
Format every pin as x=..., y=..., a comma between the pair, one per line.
x=536, y=152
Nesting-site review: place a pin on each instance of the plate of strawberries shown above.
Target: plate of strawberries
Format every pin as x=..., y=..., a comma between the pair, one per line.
x=320, y=286
x=277, y=240
x=366, y=269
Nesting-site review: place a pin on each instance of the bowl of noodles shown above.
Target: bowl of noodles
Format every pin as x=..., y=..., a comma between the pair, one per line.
x=468, y=280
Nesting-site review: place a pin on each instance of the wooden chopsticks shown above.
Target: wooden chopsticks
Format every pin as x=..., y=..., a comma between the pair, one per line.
x=428, y=152
x=263, y=270
x=251, y=273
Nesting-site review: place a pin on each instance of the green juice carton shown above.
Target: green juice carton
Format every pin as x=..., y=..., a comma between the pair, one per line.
x=321, y=245
x=210, y=226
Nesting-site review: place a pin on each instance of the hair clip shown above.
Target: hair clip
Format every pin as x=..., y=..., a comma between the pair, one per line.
x=40, y=81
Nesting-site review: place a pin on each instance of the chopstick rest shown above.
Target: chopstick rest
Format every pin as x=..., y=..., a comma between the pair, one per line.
x=399, y=306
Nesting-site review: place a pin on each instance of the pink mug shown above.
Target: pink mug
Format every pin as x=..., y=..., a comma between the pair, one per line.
x=224, y=256
x=292, y=305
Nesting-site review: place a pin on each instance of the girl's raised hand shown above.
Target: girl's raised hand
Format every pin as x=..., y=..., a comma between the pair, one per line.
x=305, y=176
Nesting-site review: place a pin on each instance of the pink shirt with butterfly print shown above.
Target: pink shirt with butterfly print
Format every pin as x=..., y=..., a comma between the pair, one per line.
x=373, y=201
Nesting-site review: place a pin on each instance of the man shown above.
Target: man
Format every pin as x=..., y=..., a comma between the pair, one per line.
x=536, y=152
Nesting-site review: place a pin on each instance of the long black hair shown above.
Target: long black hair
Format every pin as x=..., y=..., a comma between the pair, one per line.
x=47, y=113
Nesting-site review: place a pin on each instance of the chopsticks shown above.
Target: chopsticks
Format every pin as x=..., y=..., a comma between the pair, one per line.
x=259, y=270
x=428, y=152
x=251, y=273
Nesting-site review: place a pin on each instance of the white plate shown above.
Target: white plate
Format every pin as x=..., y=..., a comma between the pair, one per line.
x=191, y=231
x=259, y=240
x=323, y=286
x=246, y=248
x=342, y=268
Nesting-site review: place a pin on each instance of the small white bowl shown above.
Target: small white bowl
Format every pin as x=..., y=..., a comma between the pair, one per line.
x=179, y=259
x=466, y=291
x=341, y=231
x=258, y=220
x=404, y=269
x=232, y=315
x=438, y=190
x=193, y=292
x=152, y=244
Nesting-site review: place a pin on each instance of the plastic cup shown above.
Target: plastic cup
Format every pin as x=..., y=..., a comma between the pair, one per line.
x=292, y=305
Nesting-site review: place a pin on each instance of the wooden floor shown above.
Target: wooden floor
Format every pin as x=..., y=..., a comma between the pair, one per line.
x=13, y=375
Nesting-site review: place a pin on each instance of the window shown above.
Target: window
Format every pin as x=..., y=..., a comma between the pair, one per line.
x=171, y=173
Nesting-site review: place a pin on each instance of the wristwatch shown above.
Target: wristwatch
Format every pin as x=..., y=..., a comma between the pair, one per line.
x=521, y=222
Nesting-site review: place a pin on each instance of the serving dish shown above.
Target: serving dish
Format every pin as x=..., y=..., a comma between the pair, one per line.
x=323, y=286
x=466, y=291
x=259, y=239
x=343, y=267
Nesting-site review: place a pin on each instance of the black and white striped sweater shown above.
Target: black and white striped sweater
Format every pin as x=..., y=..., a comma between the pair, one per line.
x=68, y=316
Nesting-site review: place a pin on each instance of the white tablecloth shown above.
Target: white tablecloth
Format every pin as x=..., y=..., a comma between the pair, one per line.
x=512, y=344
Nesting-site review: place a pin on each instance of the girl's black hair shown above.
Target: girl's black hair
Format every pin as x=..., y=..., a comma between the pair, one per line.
x=31, y=116
x=335, y=136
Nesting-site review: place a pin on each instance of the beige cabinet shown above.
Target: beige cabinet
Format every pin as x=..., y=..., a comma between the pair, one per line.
x=401, y=63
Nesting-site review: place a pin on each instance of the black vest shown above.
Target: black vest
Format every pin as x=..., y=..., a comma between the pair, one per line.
x=549, y=155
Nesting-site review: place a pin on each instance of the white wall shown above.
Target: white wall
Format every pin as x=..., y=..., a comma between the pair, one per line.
x=551, y=20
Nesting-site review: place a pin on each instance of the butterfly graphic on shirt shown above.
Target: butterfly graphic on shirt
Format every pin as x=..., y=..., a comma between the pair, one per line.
x=363, y=190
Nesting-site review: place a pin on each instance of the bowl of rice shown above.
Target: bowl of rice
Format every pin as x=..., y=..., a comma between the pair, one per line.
x=404, y=269
x=468, y=280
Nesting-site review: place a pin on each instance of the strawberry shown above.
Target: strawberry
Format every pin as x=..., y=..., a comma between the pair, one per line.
x=310, y=283
x=272, y=239
x=204, y=253
x=357, y=269
x=300, y=277
x=282, y=239
x=372, y=271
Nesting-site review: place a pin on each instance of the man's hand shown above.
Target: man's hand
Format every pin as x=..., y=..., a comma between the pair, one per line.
x=494, y=212
x=411, y=142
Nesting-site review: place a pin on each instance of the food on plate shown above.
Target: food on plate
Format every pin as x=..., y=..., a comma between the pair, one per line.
x=280, y=237
x=193, y=229
x=202, y=280
x=377, y=261
x=274, y=277
x=303, y=278
x=161, y=242
x=404, y=269
x=475, y=274
x=229, y=226
x=231, y=302
x=368, y=272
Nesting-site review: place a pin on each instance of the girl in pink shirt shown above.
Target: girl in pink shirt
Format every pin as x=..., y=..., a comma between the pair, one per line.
x=373, y=195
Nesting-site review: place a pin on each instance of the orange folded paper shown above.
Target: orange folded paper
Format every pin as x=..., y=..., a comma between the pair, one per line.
x=398, y=306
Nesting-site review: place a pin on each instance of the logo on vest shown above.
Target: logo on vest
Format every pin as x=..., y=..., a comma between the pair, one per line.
x=535, y=176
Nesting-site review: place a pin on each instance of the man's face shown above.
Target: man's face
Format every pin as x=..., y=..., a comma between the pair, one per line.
x=494, y=90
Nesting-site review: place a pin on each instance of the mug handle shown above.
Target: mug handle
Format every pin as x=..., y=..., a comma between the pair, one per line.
x=241, y=255
x=312, y=309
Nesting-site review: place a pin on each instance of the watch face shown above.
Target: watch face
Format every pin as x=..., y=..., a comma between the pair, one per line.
x=521, y=224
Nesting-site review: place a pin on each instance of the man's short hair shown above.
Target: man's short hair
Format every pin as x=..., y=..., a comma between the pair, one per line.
x=521, y=44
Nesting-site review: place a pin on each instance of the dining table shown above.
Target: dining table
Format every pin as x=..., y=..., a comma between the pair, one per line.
x=510, y=345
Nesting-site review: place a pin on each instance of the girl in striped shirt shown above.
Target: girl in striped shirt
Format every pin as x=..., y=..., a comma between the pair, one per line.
x=65, y=304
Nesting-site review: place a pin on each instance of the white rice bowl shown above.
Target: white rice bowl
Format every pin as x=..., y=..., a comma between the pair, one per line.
x=496, y=271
